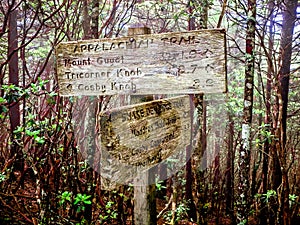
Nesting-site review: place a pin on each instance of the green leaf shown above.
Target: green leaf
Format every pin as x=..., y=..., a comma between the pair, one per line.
x=3, y=109
x=65, y=196
x=88, y=202
x=39, y=140
x=2, y=100
x=19, y=129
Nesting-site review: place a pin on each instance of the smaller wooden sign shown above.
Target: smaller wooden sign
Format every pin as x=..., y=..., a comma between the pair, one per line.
x=143, y=135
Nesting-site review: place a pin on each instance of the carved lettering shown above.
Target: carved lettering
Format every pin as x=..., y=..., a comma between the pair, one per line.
x=129, y=73
x=77, y=62
x=87, y=75
x=131, y=43
x=178, y=40
x=117, y=86
x=109, y=60
x=92, y=87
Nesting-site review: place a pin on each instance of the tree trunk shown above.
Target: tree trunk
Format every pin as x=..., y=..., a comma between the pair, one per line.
x=13, y=69
x=192, y=7
x=289, y=17
x=14, y=110
x=288, y=24
x=230, y=171
x=264, y=214
x=95, y=19
x=90, y=144
x=86, y=20
x=244, y=154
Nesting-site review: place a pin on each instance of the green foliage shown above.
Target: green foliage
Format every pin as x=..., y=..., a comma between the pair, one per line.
x=79, y=201
x=180, y=213
x=33, y=126
x=35, y=135
x=65, y=197
x=13, y=93
x=50, y=143
x=37, y=52
x=109, y=206
x=3, y=108
x=111, y=212
x=159, y=186
x=244, y=222
x=293, y=199
x=266, y=197
x=236, y=91
x=270, y=194
x=82, y=222
x=2, y=100
x=2, y=177
x=266, y=135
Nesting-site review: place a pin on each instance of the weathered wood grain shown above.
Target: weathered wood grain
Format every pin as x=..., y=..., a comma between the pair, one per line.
x=171, y=63
x=145, y=134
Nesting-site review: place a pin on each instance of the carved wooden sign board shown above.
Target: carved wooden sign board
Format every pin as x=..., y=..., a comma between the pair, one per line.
x=170, y=63
x=145, y=134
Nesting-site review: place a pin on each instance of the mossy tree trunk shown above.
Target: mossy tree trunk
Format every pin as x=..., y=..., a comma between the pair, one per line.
x=244, y=154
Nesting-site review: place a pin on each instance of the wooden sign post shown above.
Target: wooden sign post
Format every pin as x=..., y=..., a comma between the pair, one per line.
x=142, y=135
x=144, y=185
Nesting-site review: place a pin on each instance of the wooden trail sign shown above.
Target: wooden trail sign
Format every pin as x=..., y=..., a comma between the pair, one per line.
x=190, y=62
x=145, y=134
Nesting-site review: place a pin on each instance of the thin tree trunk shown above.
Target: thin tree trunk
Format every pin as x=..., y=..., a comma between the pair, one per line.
x=13, y=68
x=230, y=171
x=86, y=20
x=95, y=19
x=244, y=154
x=189, y=175
x=202, y=187
x=14, y=110
x=192, y=4
x=267, y=120
x=91, y=175
x=174, y=200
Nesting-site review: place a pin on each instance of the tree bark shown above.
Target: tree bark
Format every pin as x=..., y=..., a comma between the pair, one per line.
x=267, y=120
x=95, y=19
x=13, y=69
x=192, y=5
x=244, y=154
x=14, y=110
x=91, y=147
x=230, y=171
x=288, y=24
x=289, y=17
x=86, y=20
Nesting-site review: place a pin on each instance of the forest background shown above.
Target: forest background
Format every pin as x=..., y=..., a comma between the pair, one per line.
x=231, y=178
